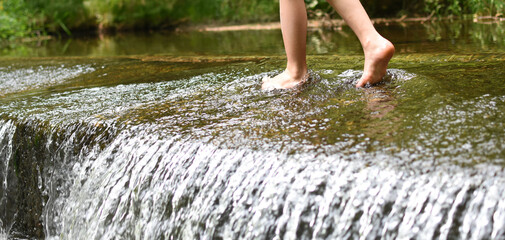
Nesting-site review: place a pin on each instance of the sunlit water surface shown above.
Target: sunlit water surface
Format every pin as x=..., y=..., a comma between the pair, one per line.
x=169, y=136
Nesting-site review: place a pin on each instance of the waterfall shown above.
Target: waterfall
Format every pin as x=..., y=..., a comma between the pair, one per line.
x=211, y=156
x=143, y=184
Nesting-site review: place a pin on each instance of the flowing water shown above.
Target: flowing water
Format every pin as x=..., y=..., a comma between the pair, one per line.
x=169, y=136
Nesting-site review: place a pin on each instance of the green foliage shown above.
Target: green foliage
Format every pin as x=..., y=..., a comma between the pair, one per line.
x=488, y=7
x=162, y=13
x=129, y=13
x=21, y=18
x=228, y=11
x=13, y=19
x=460, y=7
x=249, y=10
x=56, y=15
x=444, y=7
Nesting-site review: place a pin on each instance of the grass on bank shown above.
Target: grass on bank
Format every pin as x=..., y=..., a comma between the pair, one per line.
x=28, y=18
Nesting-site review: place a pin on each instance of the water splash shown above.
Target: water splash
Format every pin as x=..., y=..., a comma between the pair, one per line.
x=14, y=79
x=210, y=155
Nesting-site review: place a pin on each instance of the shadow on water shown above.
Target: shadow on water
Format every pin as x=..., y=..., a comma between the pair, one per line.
x=186, y=145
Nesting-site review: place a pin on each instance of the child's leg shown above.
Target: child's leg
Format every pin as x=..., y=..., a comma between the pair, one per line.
x=378, y=50
x=294, y=33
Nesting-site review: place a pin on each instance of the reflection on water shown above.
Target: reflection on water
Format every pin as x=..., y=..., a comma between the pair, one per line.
x=449, y=36
x=186, y=145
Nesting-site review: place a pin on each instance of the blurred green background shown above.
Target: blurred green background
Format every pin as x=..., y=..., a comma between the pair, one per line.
x=29, y=18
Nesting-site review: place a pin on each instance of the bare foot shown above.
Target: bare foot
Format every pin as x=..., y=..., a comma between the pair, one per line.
x=377, y=55
x=283, y=81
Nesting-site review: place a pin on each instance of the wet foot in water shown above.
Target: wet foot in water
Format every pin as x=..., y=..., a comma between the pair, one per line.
x=285, y=80
x=377, y=55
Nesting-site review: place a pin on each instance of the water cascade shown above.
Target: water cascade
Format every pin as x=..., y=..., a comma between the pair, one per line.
x=138, y=147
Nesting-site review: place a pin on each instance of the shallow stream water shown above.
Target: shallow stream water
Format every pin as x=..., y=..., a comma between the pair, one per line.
x=169, y=136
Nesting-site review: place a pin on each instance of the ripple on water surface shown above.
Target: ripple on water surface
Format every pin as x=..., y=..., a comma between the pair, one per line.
x=208, y=154
x=408, y=116
x=13, y=79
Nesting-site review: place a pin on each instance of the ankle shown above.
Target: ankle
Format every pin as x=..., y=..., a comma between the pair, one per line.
x=372, y=40
x=296, y=72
